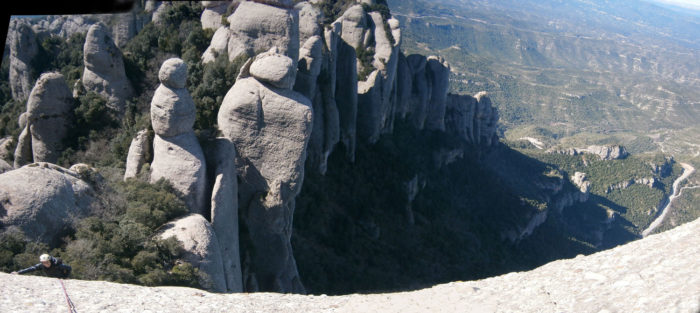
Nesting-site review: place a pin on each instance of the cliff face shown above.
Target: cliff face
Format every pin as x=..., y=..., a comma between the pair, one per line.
x=351, y=86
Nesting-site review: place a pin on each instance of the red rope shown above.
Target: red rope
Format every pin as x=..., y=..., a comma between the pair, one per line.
x=71, y=306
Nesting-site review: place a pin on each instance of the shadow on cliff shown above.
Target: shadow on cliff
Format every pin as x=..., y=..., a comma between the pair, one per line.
x=356, y=230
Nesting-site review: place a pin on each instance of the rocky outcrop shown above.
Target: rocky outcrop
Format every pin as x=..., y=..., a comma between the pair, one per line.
x=609, y=152
x=49, y=113
x=201, y=247
x=158, y=9
x=255, y=27
x=473, y=119
x=224, y=210
x=376, y=93
x=6, y=147
x=648, y=181
x=422, y=90
x=104, y=68
x=581, y=181
x=438, y=71
x=345, y=89
x=4, y=166
x=177, y=155
x=137, y=154
x=23, y=48
x=270, y=125
x=485, y=121
x=613, y=152
x=43, y=200
x=213, y=13
x=316, y=79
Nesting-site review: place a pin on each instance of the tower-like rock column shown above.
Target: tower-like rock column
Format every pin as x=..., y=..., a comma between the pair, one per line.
x=270, y=126
x=104, y=68
x=49, y=113
x=177, y=155
x=23, y=48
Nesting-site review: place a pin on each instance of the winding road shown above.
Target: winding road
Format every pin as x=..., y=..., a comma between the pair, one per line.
x=687, y=171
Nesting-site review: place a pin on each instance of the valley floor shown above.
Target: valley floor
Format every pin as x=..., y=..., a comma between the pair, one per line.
x=656, y=274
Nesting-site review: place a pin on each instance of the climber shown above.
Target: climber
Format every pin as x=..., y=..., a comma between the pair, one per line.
x=52, y=267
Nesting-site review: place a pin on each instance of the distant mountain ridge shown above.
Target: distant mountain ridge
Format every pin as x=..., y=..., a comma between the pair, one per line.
x=569, y=67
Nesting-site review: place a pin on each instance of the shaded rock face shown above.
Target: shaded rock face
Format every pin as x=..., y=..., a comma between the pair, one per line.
x=201, y=247
x=137, y=154
x=104, y=68
x=23, y=48
x=316, y=79
x=177, y=155
x=474, y=119
x=270, y=127
x=224, y=209
x=376, y=93
x=422, y=90
x=43, y=200
x=44, y=125
x=257, y=27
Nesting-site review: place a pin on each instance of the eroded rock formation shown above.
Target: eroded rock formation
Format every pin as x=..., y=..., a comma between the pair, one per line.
x=43, y=200
x=201, y=247
x=23, y=48
x=136, y=157
x=270, y=126
x=255, y=27
x=49, y=113
x=177, y=155
x=104, y=68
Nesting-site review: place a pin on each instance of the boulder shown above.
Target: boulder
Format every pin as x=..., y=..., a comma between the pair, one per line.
x=201, y=247
x=4, y=166
x=43, y=200
x=172, y=111
x=104, y=68
x=270, y=128
x=354, y=26
x=137, y=154
x=258, y=27
x=49, y=112
x=224, y=210
x=177, y=155
x=212, y=14
x=5, y=147
x=274, y=68
x=23, y=48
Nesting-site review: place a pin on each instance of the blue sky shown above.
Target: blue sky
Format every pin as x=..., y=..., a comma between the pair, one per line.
x=690, y=4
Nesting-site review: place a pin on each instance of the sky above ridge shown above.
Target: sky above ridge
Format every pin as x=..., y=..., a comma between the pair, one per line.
x=690, y=4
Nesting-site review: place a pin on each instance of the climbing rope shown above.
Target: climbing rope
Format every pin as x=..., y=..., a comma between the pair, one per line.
x=71, y=306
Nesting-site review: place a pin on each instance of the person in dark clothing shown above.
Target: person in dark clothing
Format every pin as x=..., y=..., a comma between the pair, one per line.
x=51, y=266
